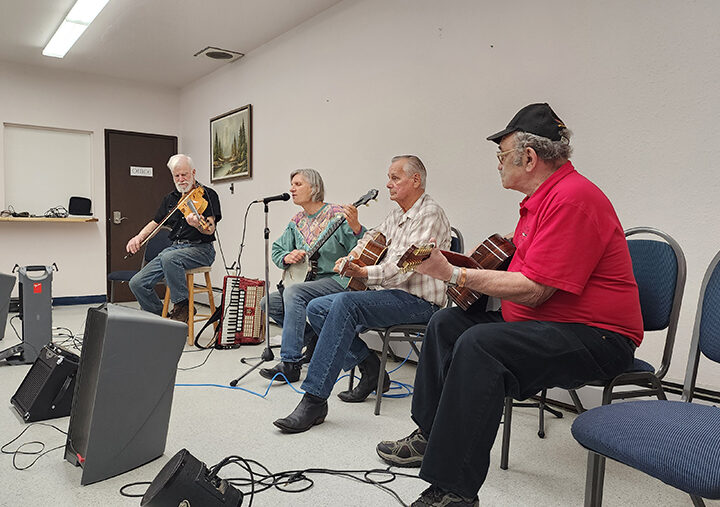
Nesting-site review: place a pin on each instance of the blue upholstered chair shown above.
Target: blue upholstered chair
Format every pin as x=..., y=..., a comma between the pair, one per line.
x=677, y=442
x=411, y=333
x=153, y=247
x=660, y=271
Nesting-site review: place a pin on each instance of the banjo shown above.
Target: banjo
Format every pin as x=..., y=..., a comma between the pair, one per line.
x=306, y=269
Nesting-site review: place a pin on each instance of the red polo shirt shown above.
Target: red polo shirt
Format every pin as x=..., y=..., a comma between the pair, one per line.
x=570, y=238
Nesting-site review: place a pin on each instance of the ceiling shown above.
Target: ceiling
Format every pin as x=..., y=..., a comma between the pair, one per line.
x=149, y=41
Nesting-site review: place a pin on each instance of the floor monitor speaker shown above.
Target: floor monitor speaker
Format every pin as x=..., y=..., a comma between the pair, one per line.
x=124, y=390
x=184, y=480
x=47, y=390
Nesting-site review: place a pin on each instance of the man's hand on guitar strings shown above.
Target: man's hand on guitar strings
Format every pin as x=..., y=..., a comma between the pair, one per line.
x=340, y=263
x=346, y=267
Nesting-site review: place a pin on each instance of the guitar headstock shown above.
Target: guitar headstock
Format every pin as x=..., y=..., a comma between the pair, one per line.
x=370, y=196
x=414, y=256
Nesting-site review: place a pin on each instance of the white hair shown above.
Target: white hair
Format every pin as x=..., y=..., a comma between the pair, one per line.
x=176, y=160
x=546, y=149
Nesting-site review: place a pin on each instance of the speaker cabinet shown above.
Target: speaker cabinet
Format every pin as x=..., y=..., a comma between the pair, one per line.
x=47, y=390
x=35, y=290
x=126, y=377
x=184, y=480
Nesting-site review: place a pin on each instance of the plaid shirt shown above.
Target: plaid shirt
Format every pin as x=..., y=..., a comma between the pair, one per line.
x=424, y=220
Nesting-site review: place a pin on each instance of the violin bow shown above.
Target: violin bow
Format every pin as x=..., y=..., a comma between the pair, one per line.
x=157, y=227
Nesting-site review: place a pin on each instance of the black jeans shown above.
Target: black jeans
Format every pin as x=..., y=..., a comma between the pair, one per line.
x=470, y=361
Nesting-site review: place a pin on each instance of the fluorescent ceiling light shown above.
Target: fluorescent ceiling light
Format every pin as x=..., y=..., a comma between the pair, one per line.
x=80, y=16
x=64, y=39
x=84, y=11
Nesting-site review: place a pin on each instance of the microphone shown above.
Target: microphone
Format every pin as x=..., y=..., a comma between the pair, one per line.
x=280, y=197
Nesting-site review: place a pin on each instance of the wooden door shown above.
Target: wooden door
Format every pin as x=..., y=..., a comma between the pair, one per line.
x=136, y=180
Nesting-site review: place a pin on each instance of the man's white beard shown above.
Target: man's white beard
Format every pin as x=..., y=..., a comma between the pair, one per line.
x=183, y=187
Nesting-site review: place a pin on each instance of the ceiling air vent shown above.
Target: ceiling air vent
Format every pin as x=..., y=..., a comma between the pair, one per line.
x=220, y=54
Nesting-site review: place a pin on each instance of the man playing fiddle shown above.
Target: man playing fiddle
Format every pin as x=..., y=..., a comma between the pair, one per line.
x=192, y=247
x=570, y=314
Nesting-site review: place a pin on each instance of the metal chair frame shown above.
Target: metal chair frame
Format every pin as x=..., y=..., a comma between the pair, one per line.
x=411, y=333
x=153, y=247
x=596, y=462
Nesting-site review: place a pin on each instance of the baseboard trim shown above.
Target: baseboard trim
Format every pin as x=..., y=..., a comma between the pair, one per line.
x=79, y=300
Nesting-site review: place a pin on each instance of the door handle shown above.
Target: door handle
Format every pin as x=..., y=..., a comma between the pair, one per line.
x=118, y=218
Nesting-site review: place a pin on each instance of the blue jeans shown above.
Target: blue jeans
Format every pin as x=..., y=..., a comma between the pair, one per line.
x=289, y=311
x=170, y=264
x=339, y=317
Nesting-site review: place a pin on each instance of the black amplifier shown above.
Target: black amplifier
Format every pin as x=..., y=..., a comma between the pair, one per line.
x=47, y=390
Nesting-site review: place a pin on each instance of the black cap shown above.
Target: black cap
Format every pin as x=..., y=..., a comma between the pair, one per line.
x=538, y=119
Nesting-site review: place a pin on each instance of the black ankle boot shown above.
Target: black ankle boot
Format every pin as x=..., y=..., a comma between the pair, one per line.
x=310, y=411
x=309, y=349
x=290, y=370
x=370, y=372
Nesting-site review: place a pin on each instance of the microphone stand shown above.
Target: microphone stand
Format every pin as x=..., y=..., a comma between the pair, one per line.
x=267, y=354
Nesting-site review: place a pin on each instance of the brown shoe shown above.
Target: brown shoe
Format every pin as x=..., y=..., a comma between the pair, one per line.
x=180, y=311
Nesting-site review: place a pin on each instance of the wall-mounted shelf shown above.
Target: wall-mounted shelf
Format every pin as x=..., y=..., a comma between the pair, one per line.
x=48, y=219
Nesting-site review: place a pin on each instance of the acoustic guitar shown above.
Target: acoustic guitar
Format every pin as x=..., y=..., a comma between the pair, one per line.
x=371, y=254
x=493, y=253
x=306, y=269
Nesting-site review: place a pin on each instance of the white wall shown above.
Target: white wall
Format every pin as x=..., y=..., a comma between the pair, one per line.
x=370, y=79
x=34, y=96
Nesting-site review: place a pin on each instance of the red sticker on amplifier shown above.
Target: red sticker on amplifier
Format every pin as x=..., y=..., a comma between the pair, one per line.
x=37, y=288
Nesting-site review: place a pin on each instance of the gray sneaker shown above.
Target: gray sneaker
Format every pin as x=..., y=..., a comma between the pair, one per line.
x=436, y=497
x=406, y=452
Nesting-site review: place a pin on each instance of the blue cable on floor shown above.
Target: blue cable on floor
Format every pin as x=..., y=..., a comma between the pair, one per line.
x=400, y=385
x=263, y=396
x=408, y=387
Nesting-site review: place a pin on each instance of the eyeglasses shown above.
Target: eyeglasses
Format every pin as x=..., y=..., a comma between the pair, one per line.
x=502, y=154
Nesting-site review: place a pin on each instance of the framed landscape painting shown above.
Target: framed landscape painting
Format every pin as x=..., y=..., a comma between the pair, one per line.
x=231, y=154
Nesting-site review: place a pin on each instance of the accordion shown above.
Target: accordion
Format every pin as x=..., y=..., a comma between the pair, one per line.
x=241, y=320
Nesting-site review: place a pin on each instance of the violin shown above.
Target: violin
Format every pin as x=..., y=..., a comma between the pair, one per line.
x=194, y=203
x=191, y=203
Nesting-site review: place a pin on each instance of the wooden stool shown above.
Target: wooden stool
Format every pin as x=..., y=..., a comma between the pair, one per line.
x=192, y=290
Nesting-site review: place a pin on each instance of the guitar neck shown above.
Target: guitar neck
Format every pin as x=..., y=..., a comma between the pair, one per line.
x=492, y=253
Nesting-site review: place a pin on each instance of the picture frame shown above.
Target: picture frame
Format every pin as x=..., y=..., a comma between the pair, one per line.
x=231, y=145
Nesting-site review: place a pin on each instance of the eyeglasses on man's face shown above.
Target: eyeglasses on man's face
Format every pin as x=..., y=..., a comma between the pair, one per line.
x=502, y=154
